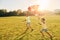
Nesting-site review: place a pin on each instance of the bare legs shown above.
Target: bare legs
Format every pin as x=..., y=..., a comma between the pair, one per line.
x=28, y=26
x=47, y=33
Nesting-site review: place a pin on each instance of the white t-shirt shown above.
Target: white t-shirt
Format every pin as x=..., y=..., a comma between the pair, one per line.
x=28, y=19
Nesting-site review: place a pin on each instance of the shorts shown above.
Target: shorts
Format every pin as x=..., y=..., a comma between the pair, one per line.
x=43, y=30
x=28, y=24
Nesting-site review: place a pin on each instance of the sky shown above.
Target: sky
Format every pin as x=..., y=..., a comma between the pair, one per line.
x=24, y=4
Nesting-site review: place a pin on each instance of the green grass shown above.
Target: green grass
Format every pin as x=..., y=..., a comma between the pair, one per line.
x=11, y=28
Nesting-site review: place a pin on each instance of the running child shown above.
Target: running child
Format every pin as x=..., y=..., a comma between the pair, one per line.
x=28, y=22
x=44, y=28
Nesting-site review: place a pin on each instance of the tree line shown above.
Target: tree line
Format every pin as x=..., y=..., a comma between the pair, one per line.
x=19, y=12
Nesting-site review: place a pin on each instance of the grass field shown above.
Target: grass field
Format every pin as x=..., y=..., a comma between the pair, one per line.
x=11, y=28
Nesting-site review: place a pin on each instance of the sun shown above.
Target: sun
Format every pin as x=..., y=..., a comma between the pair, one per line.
x=43, y=4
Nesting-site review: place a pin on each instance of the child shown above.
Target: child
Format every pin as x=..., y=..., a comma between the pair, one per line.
x=41, y=18
x=44, y=28
x=28, y=22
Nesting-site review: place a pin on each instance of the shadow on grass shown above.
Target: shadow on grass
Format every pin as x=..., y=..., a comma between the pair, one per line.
x=19, y=37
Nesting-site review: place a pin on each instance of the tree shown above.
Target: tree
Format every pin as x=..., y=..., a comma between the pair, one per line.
x=19, y=11
x=12, y=13
x=3, y=12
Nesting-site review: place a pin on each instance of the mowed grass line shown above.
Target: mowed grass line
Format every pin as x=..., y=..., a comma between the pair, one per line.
x=12, y=27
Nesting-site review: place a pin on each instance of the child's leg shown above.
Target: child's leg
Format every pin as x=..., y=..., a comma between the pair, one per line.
x=42, y=37
x=49, y=35
x=42, y=33
x=28, y=26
